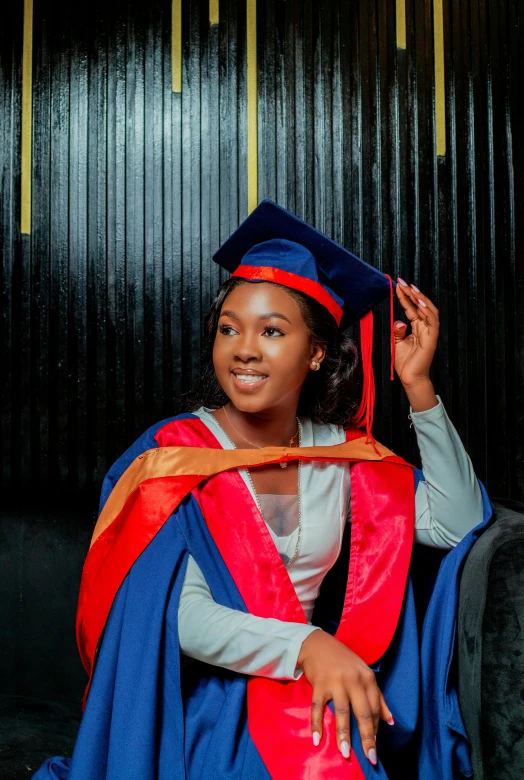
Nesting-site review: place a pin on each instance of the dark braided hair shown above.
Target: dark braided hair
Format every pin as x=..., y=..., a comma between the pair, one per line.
x=327, y=395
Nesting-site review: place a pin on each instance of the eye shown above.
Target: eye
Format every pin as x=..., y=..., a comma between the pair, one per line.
x=226, y=330
x=273, y=332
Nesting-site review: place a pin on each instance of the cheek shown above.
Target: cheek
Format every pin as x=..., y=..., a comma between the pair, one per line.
x=292, y=355
x=219, y=354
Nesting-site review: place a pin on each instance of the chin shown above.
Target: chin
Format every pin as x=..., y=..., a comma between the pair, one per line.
x=251, y=405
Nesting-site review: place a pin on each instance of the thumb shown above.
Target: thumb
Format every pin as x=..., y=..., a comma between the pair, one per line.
x=400, y=330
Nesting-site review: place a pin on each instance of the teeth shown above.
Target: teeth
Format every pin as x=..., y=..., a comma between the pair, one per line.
x=249, y=377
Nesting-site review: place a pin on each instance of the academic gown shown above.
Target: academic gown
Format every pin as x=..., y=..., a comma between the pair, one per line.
x=146, y=720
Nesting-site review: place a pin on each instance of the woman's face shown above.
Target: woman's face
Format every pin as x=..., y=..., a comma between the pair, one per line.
x=262, y=351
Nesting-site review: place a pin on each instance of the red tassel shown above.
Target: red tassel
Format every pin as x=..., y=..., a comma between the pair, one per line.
x=364, y=415
x=391, y=328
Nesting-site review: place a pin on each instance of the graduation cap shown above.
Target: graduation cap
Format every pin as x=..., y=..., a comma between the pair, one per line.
x=274, y=245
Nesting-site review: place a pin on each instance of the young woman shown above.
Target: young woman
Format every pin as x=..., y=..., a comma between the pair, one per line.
x=275, y=551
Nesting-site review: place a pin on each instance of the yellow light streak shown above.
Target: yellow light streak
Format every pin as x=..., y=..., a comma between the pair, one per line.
x=440, y=88
x=27, y=117
x=176, y=45
x=252, y=131
x=213, y=12
x=401, y=24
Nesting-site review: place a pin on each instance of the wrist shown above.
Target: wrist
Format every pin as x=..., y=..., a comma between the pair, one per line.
x=306, y=645
x=421, y=395
x=416, y=383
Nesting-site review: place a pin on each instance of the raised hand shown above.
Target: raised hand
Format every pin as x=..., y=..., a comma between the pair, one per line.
x=414, y=352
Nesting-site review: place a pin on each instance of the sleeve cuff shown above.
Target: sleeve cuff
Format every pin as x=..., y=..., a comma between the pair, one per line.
x=435, y=413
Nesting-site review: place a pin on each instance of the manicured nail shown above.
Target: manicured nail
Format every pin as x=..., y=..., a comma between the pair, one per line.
x=415, y=288
x=372, y=755
x=421, y=302
x=316, y=738
x=402, y=282
x=400, y=325
x=391, y=721
x=344, y=749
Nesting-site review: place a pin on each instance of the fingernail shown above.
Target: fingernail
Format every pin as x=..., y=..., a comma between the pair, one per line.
x=344, y=749
x=372, y=755
x=316, y=738
x=421, y=302
x=402, y=282
x=400, y=325
x=391, y=722
x=415, y=288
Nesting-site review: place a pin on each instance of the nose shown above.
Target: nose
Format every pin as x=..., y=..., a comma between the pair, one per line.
x=247, y=348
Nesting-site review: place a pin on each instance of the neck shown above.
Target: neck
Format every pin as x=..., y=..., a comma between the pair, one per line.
x=267, y=428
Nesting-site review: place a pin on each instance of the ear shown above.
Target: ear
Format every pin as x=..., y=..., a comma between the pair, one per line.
x=317, y=353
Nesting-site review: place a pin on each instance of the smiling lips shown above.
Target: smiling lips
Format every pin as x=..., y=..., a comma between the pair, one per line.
x=249, y=379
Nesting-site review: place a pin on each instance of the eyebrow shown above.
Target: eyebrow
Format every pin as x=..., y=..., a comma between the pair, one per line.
x=270, y=315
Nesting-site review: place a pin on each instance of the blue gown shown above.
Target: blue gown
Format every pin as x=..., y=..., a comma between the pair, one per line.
x=144, y=720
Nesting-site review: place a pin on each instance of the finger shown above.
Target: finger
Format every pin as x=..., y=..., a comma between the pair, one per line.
x=425, y=314
x=342, y=709
x=373, y=694
x=366, y=713
x=418, y=306
x=318, y=705
x=415, y=295
x=418, y=295
x=400, y=330
x=385, y=712
x=407, y=300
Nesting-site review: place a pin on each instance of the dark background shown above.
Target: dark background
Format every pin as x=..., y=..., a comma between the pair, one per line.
x=135, y=187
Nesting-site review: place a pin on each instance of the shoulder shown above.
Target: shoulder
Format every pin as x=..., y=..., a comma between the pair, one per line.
x=152, y=437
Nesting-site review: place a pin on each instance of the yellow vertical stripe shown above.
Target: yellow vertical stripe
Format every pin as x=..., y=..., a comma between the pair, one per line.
x=252, y=141
x=176, y=45
x=401, y=24
x=440, y=90
x=213, y=11
x=27, y=116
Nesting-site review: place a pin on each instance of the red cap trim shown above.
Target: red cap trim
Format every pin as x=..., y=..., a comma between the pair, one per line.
x=296, y=282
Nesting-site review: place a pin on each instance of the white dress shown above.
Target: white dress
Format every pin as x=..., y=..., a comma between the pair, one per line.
x=448, y=504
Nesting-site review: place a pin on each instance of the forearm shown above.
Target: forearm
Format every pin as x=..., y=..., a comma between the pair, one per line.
x=448, y=502
x=236, y=640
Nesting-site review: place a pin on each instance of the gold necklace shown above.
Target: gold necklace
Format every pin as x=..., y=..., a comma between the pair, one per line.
x=255, y=494
x=291, y=442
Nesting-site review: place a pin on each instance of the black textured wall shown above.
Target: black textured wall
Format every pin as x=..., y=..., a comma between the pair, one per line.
x=134, y=187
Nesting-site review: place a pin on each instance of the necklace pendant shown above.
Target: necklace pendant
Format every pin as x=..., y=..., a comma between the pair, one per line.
x=283, y=465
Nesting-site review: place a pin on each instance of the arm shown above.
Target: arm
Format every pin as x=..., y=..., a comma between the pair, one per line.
x=236, y=640
x=448, y=502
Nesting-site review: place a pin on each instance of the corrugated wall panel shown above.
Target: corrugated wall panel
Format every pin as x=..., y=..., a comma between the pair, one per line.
x=134, y=186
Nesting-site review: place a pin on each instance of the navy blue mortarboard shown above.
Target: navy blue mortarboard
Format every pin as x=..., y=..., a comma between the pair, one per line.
x=274, y=245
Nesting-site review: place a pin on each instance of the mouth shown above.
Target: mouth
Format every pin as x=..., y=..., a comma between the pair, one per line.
x=248, y=380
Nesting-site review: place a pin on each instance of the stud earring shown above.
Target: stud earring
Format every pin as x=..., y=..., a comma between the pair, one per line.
x=314, y=365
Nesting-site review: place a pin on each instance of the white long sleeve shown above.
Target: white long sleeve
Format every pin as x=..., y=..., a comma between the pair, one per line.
x=236, y=640
x=448, y=502
x=448, y=505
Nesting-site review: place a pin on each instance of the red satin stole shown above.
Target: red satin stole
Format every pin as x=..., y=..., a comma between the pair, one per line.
x=382, y=515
